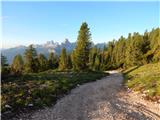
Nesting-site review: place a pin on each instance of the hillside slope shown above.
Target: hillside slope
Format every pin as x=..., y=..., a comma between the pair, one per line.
x=145, y=79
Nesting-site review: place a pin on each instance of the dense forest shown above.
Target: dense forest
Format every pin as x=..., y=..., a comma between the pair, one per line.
x=136, y=49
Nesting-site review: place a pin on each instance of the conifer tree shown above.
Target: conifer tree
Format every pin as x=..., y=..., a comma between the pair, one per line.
x=92, y=56
x=97, y=63
x=120, y=52
x=154, y=38
x=128, y=52
x=69, y=62
x=103, y=58
x=42, y=62
x=110, y=56
x=73, y=60
x=5, y=69
x=30, y=56
x=52, y=61
x=17, y=65
x=3, y=61
x=137, y=53
x=83, y=47
x=63, y=60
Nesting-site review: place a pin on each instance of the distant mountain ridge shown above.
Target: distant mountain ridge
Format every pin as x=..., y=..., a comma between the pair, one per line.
x=49, y=46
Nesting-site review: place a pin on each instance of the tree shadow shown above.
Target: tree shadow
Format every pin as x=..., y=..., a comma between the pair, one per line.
x=134, y=68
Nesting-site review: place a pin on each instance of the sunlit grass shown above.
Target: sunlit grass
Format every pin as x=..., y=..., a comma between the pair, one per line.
x=145, y=79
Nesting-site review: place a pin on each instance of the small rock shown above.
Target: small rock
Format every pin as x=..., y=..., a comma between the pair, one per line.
x=144, y=95
x=30, y=105
x=129, y=111
x=129, y=90
x=8, y=106
x=118, y=105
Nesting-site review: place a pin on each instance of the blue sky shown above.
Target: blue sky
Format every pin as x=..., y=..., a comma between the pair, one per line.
x=24, y=23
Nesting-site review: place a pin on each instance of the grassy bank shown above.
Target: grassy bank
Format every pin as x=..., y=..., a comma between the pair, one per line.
x=37, y=90
x=145, y=79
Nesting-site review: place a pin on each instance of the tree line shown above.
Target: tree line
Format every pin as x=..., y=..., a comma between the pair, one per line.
x=136, y=49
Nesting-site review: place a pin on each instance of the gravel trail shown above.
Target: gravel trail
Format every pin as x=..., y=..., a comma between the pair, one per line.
x=104, y=99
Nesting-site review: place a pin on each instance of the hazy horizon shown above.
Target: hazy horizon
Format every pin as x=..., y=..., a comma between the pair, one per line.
x=25, y=23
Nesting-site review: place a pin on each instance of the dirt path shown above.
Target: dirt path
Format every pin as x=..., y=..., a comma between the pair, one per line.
x=101, y=100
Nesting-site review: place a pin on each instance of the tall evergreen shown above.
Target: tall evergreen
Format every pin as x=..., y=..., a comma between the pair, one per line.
x=5, y=69
x=73, y=60
x=97, y=62
x=103, y=58
x=128, y=51
x=92, y=57
x=3, y=61
x=83, y=47
x=110, y=57
x=42, y=62
x=52, y=61
x=120, y=52
x=137, y=52
x=69, y=61
x=17, y=64
x=63, y=60
x=30, y=62
x=154, y=38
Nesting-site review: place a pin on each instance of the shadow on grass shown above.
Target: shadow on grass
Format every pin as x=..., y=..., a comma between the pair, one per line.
x=134, y=68
x=125, y=74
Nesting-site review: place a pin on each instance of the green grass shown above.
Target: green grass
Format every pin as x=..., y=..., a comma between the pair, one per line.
x=145, y=79
x=41, y=89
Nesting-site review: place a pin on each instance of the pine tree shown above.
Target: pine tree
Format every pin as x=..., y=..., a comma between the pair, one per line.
x=154, y=38
x=120, y=52
x=128, y=51
x=17, y=65
x=69, y=62
x=52, y=61
x=5, y=69
x=92, y=56
x=30, y=56
x=137, y=52
x=103, y=58
x=110, y=56
x=63, y=60
x=73, y=60
x=3, y=61
x=97, y=63
x=82, y=48
x=42, y=62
